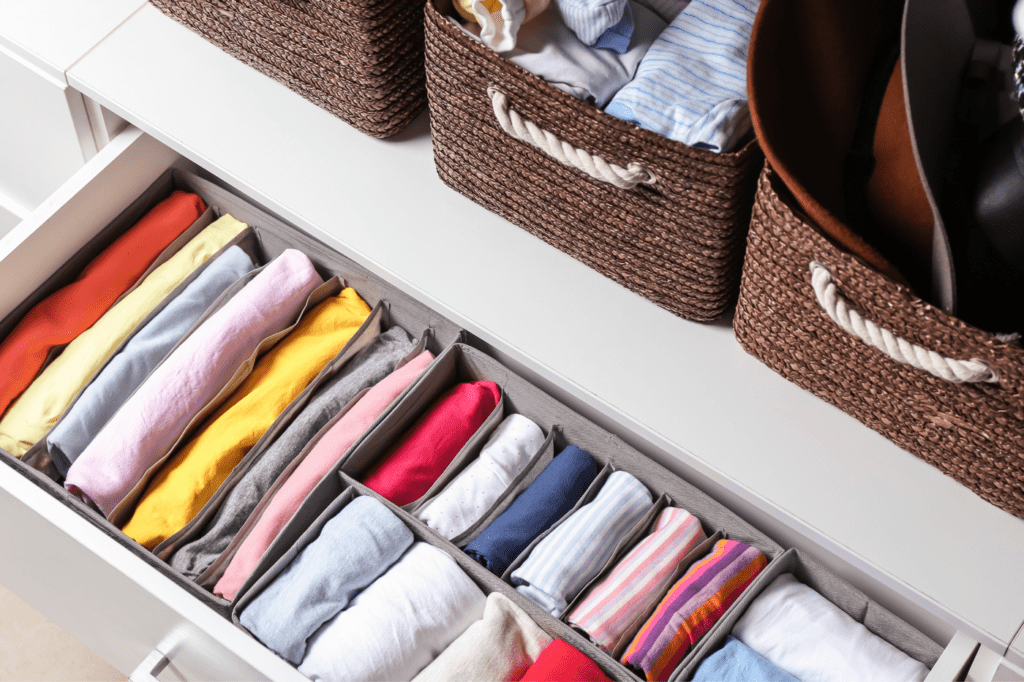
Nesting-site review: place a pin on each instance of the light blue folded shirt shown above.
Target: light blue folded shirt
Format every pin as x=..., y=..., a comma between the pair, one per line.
x=143, y=352
x=692, y=83
x=736, y=662
x=354, y=548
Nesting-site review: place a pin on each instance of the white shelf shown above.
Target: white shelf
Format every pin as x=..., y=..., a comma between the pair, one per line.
x=688, y=388
x=54, y=34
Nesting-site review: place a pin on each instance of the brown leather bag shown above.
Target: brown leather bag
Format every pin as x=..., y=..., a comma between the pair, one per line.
x=853, y=103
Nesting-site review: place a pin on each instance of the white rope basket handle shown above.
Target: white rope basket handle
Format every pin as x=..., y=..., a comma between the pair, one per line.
x=842, y=313
x=521, y=129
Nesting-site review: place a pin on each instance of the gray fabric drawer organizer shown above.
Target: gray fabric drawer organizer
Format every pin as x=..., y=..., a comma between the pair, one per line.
x=268, y=237
x=461, y=362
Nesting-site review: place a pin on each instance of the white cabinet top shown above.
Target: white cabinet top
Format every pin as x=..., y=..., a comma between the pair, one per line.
x=1016, y=651
x=688, y=388
x=54, y=34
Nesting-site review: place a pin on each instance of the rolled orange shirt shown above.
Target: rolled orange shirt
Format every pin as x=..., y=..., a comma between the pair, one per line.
x=66, y=313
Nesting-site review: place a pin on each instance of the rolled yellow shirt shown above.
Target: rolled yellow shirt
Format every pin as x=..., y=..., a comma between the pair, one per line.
x=36, y=411
x=190, y=477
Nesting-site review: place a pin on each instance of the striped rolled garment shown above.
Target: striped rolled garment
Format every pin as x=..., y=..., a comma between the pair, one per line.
x=562, y=564
x=614, y=609
x=692, y=606
x=692, y=84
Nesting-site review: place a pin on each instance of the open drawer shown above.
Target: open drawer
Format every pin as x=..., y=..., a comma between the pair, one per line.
x=95, y=588
x=119, y=602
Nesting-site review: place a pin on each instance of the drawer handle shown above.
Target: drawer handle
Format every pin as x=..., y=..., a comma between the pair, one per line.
x=159, y=657
x=150, y=667
x=522, y=129
x=842, y=313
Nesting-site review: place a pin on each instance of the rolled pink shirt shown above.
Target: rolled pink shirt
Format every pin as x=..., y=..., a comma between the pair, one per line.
x=155, y=416
x=317, y=463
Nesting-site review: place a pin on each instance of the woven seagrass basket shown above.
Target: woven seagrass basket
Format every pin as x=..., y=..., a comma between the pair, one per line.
x=832, y=325
x=361, y=60
x=663, y=219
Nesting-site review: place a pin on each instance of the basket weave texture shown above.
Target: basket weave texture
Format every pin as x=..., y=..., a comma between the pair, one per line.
x=678, y=242
x=972, y=432
x=361, y=60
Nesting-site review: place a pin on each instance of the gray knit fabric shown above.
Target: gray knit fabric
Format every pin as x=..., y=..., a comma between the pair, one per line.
x=364, y=370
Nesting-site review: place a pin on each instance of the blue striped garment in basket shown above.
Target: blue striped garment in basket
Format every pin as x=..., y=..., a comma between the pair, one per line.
x=692, y=84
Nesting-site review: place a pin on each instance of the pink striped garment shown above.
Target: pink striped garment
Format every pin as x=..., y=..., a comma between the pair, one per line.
x=616, y=607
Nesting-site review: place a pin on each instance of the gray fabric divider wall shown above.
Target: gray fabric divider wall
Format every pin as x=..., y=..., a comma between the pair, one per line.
x=122, y=513
x=467, y=454
x=640, y=530
x=588, y=496
x=367, y=333
x=210, y=577
x=536, y=465
x=852, y=601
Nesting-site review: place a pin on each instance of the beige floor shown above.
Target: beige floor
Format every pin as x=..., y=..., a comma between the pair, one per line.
x=32, y=648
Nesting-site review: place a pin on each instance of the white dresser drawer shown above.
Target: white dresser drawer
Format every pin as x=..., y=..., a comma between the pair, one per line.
x=119, y=602
x=112, y=599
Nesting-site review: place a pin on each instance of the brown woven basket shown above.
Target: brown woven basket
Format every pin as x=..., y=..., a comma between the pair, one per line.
x=973, y=432
x=678, y=241
x=361, y=60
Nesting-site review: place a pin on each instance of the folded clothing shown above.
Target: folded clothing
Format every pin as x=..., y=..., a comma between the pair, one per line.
x=367, y=368
x=500, y=19
x=154, y=417
x=129, y=368
x=562, y=564
x=550, y=497
x=736, y=662
x=547, y=48
x=35, y=411
x=352, y=550
x=407, y=472
x=591, y=20
x=473, y=492
x=399, y=624
x=562, y=662
x=280, y=503
x=192, y=475
x=60, y=317
x=801, y=632
x=692, y=606
x=501, y=646
x=617, y=606
x=692, y=84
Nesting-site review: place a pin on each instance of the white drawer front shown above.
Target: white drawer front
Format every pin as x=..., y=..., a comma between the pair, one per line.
x=97, y=589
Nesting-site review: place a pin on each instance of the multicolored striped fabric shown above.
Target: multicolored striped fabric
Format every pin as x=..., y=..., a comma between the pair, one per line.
x=692, y=606
x=615, y=608
x=575, y=552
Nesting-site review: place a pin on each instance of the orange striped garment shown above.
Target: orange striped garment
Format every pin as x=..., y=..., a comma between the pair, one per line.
x=692, y=606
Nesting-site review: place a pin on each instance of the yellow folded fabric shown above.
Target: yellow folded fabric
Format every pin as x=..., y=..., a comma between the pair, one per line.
x=190, y=477
x=36, y=411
